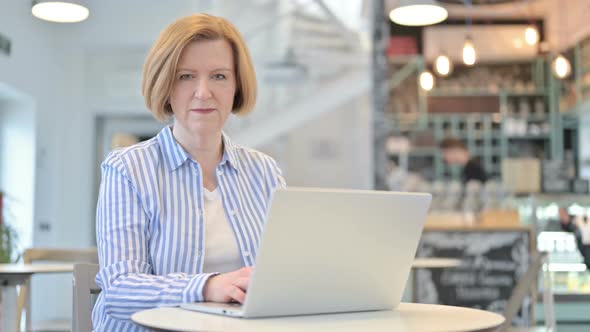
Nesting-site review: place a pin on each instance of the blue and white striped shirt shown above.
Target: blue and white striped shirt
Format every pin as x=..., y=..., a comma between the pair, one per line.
x=150, y=227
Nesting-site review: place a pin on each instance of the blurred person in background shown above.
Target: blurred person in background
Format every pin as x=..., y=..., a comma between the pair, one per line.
x=455, y=153
x=577, y=225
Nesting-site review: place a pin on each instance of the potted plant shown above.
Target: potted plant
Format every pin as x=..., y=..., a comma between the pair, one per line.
x=8, y=237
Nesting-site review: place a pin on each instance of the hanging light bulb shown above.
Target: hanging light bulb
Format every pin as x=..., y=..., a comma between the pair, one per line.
x=531, y=35
x=443, y=65
x=561, y=66
x=469, y=54
x=418, y=13
x=426, y=80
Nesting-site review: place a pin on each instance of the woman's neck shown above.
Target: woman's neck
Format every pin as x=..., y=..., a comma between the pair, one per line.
x=206, y=149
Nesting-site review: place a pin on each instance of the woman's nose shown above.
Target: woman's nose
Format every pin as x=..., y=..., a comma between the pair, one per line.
x=202, y=90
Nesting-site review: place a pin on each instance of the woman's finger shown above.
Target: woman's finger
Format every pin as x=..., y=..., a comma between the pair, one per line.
x=246, y=271
x=237, y=294
x=241, y=283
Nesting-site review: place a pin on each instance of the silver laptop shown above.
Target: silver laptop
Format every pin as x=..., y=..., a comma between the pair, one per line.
x=328, y=251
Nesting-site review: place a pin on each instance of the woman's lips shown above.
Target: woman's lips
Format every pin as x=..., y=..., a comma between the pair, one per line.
x=202, y=110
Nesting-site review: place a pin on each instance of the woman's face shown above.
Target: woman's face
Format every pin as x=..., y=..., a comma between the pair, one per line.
x=204, y=86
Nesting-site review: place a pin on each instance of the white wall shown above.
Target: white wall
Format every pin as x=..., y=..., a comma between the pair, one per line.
x=34, y=70
x=334, y=151
x=17, y=165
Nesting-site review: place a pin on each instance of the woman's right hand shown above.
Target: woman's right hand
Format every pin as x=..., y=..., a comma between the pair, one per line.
x=228, y=287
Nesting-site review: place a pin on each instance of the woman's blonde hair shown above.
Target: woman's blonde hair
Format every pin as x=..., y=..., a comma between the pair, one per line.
x=159, y=70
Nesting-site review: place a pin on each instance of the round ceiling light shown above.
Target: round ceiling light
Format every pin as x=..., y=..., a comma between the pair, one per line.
x=418, y=13
x=60, y=11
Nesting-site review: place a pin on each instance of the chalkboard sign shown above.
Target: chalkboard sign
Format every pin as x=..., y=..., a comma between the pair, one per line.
x=492, y=262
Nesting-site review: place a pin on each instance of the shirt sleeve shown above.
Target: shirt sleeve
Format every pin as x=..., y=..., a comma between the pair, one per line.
x=125, y=276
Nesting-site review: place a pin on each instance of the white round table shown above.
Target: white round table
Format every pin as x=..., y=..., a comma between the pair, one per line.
x=12, y=275
x=407, y=317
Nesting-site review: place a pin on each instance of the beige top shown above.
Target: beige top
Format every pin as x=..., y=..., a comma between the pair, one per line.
x=221, y=248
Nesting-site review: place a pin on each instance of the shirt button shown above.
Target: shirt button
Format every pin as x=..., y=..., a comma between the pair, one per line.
x=219, y=172
x=246, y=253
x=232, y=212
x=199, y=253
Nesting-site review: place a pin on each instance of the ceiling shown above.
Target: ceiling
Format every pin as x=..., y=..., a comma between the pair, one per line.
x=564, y=22
x=490, y=9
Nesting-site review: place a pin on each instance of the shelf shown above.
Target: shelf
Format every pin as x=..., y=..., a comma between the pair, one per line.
x=560, y=199
x=461, y=93
x=535, y=118
x=403, y=59
x=525, y=137
x=461, y=116
x=538, y=118
x=569, y=297
x=423, y=152
x=536, y=93
x=461, y=136
x=482, y=92
x=482, y=156
x=483, y=132
x=419, y=152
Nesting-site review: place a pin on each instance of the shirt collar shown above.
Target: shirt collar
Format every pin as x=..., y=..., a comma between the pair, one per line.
x=175, y=155
x=229, y=152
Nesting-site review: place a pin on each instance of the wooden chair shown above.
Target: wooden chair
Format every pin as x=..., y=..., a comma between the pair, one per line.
x=526, y=284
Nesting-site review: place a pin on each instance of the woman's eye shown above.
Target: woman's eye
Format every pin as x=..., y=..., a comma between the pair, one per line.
x=186, y=76
x=219, y=76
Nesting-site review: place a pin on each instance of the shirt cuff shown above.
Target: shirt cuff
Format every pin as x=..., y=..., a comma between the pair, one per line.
x=195, y=287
